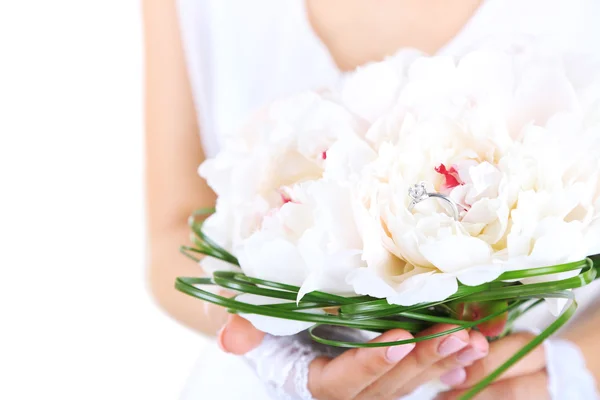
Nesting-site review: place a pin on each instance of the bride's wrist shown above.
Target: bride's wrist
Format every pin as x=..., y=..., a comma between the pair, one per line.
x=583, y=335
x=569, y=374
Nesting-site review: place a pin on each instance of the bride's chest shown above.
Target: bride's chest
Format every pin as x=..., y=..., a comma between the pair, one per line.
x=359, y=31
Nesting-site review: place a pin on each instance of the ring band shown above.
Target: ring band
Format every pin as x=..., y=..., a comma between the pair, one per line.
x=418, y=193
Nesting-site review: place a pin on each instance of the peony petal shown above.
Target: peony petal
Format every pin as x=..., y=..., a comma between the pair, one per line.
x=480, y=274
x=271, y=325
x=371, y=90
x=556, y=306
x=558, y=242
x=272, y=259
x=424, y=288
x=366, y=282
x=310, y=284
x=542, y=92
x=454, y=253
x=346, y=158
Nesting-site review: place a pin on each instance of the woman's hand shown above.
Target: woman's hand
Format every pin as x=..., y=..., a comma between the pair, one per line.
x=526, y=380
x=376, y=373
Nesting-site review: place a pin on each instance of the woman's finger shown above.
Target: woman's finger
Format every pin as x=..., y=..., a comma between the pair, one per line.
x=350, y=373
x=500, y=352
x=451, y=370
x=215, y=313
x=526, y=387
x=399, y=380
x=239, y=336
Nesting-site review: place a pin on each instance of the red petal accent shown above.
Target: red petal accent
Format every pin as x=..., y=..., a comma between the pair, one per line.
x=451, y=176
x=285, y=198
x=324, y=155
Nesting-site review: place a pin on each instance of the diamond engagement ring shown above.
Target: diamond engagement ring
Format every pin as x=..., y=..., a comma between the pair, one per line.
x=418, y=192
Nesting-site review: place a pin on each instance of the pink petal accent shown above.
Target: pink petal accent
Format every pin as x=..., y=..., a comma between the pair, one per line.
x=324, y=155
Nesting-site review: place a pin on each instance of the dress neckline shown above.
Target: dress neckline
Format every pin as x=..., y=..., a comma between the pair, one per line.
x=309, y=31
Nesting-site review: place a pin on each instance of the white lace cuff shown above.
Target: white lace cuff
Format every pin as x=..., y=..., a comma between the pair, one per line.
x=281, y=363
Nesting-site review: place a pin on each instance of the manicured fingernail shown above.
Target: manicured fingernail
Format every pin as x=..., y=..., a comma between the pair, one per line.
x=450, y=345
x=397, y=353
x=454, y=377
x=469, y=355
x=221, y=338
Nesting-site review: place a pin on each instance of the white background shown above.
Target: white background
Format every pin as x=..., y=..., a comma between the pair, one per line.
x=76, y=320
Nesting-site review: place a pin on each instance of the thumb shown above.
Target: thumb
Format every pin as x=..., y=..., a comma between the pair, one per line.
x=239, y=336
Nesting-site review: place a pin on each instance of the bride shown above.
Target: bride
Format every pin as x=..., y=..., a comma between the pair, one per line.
x=209, y=65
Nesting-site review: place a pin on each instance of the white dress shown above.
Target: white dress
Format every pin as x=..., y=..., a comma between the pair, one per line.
x=243, y=54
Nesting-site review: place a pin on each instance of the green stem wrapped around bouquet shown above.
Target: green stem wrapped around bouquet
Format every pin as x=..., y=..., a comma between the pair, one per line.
x=490, y=307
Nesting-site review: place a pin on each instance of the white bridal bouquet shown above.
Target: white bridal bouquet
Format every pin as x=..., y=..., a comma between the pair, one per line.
x=419, y=190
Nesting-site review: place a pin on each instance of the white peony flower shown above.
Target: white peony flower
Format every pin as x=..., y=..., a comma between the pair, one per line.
x=467, y=139
x=285, y=144
x=312, y=242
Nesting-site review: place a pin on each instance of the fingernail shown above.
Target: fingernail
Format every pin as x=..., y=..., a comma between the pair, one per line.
x=221, y=338
x=450, y=345
x=469, y=355
x=454, y=377
x=397, y=353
